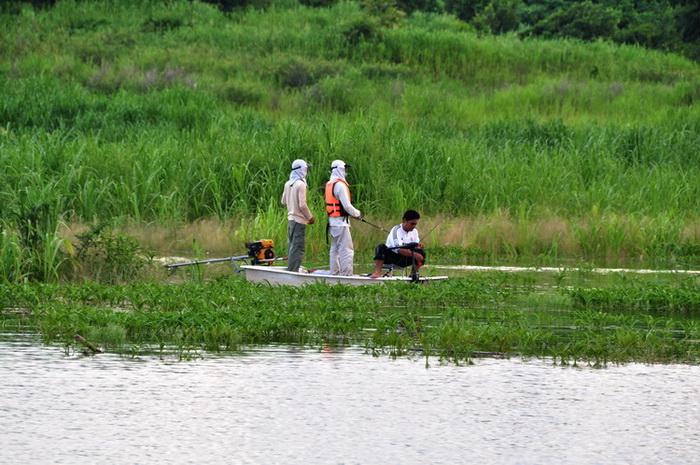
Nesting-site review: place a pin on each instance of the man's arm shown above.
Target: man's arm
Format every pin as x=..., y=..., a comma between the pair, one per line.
x=284, y=195
x=340, y=191
x=303, y=207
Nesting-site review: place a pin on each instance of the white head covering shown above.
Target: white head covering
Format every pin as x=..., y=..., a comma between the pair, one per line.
x=299, y=170
x=338, y=170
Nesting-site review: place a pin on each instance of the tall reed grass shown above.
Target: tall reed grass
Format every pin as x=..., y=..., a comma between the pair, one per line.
x=530, y=166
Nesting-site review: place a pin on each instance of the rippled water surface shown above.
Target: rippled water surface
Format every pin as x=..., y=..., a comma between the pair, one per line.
x=285, y=405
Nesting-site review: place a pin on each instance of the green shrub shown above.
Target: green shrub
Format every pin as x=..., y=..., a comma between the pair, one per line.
x=298, y=73
x=106, y=257
x=363, y=28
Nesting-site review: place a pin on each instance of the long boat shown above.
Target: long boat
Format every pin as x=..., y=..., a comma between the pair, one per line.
x=280, y=275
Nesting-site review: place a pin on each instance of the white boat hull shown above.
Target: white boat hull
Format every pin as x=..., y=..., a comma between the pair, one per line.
x=279, y=275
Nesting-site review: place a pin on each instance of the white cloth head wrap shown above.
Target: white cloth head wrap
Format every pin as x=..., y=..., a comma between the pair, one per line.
x=338, y=170
x=299, y=170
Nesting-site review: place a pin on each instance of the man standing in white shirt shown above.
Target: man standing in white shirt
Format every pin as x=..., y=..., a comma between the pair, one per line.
x=298, y=214
x=340, y=208
x=402, y=247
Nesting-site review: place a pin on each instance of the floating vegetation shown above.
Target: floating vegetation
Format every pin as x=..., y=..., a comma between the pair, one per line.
x=647, y=297
x=492, y=314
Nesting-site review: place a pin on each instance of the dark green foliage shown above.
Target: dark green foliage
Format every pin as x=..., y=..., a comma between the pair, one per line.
x=428, y=6
x=688, y=20
x=15, y=6
x=656, y=24
x=465, y=10
x=229, y=5
x=535, y=11
x=586, y=20
x=500, y=16
x=653, y=30
x=688, y=23
x=318, y=3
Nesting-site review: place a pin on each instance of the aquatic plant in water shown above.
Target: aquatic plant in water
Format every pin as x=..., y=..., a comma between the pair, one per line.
x=483, y=314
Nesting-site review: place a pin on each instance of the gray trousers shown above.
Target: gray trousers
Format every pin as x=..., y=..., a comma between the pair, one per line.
x=296, y=234
x=342, y=250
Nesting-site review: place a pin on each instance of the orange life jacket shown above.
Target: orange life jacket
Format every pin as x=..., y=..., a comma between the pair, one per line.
x=333, y=206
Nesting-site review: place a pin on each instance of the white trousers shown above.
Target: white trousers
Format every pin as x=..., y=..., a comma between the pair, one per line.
x=342, y=251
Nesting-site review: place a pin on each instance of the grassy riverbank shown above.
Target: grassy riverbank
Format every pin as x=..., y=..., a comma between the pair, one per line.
x=164, y=115
x=493, y=314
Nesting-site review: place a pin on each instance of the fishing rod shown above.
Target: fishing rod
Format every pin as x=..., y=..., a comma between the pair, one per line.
x=382, y=229
x=433, y=229
x=373, y=225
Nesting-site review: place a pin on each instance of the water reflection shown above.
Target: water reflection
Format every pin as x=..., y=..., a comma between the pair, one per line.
x=297, y=406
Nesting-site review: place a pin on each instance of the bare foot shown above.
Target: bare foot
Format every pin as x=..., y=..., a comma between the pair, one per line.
x=375, y=275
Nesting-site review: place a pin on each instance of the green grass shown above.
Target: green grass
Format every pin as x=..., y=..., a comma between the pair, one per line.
x=168, y=113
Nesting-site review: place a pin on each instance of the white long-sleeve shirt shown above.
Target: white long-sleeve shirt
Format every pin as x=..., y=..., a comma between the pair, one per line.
x=342, y=193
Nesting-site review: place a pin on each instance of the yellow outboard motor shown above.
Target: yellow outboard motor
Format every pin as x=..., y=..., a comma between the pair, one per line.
x=261, y=251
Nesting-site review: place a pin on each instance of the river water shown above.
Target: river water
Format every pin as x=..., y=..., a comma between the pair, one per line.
x=289, y=405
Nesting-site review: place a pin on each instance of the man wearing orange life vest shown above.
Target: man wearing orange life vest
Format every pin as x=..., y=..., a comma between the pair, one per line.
x=339, y=208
